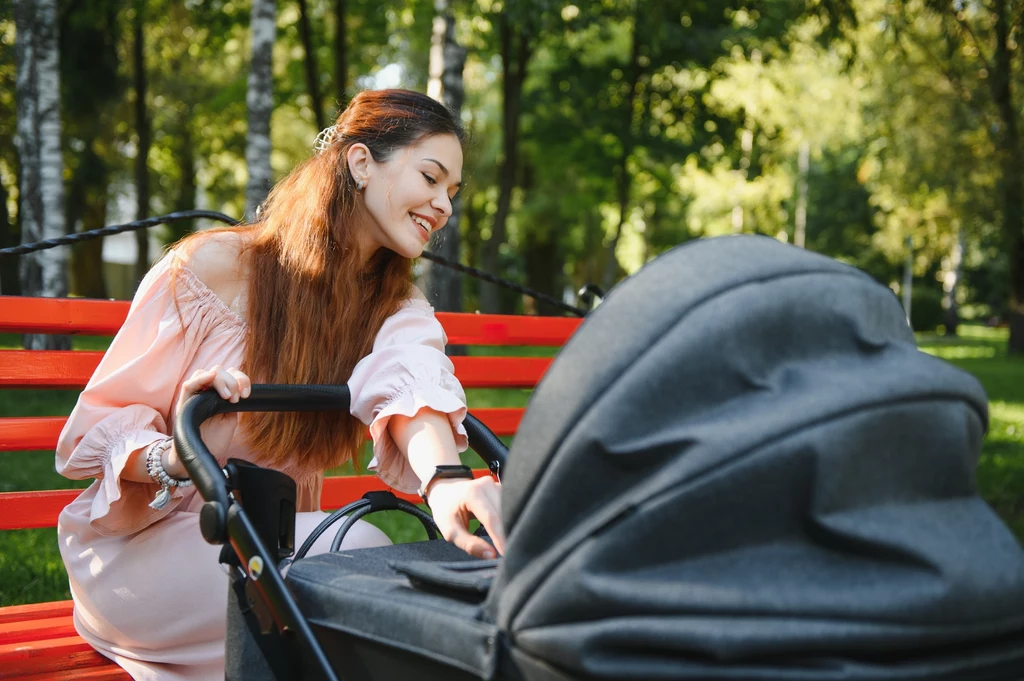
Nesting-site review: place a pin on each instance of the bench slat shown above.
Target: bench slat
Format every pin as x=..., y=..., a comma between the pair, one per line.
x=35, y=611
x=61, y=315
x=40, y=433
x=104, y=318
x=72, y=369
x=495, y=329
x=33, y=510
x=47, y=368
x=36, y=630
x=18, y=660
x=109, y=672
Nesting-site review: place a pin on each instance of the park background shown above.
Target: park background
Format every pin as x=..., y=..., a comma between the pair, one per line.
x=601, y=133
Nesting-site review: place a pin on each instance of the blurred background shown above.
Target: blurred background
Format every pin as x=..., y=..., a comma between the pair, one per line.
x=886, y=134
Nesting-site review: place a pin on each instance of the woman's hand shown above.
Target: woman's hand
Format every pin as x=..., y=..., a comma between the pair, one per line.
x=232, y=385
x=454, y=502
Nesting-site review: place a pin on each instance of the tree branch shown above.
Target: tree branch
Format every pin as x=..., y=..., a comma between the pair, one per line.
x=965, y=25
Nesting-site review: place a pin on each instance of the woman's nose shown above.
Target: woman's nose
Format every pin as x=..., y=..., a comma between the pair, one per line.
x=443, y=204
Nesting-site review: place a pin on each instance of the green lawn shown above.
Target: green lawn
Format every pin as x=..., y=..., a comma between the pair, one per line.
x=982, y=351
x=31, y=571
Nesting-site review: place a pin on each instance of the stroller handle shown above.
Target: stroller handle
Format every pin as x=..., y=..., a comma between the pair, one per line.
x=220, y=520
x=207, y=474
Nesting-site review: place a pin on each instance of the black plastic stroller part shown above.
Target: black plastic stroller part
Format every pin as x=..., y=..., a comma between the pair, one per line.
x=257, y=536
x=371, y=502
x=272, y=510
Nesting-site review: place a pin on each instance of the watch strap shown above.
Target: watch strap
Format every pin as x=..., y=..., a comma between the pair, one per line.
x=446, y=472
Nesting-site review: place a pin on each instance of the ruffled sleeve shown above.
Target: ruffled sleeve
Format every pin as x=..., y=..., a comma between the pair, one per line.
x=127, y=405
x=406, y=372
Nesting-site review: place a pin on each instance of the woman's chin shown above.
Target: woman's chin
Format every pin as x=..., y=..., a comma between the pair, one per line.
x=411, y=251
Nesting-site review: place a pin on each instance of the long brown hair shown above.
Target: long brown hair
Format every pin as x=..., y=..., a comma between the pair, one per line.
x=313, y=307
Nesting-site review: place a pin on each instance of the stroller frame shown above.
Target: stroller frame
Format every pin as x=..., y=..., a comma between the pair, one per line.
x=224, y=521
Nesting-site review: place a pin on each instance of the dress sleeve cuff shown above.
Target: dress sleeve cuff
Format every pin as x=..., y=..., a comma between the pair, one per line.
x=388, y=462
x=122, y=506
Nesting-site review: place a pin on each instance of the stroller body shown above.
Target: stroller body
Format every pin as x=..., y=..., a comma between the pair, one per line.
x=740, y=467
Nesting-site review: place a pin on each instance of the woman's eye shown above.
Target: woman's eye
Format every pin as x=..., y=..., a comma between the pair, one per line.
x=429, y=179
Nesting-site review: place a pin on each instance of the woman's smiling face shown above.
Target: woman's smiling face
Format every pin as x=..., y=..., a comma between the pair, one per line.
x=408, y=196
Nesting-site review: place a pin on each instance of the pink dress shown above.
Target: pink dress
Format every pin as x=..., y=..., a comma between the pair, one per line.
x=148, y=590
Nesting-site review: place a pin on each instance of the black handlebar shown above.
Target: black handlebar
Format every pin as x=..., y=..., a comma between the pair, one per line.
x=207, y=474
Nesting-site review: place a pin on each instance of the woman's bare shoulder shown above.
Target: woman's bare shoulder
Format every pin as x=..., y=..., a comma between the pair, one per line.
x=215, y=259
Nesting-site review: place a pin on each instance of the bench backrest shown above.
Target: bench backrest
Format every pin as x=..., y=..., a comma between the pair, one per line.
x=72, y=369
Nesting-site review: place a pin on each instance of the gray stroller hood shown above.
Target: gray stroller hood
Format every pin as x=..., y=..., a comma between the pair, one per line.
x=740, y=467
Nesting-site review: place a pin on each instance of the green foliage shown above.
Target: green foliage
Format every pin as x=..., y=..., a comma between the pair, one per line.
x=925, y=308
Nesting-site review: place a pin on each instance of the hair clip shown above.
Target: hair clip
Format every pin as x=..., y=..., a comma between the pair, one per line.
x=324, y=139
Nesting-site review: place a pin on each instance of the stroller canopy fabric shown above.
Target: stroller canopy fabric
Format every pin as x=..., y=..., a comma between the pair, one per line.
x=742, y=455
x=740, y=467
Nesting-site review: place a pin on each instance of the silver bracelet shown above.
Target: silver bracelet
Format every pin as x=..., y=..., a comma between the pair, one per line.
x=155, y=468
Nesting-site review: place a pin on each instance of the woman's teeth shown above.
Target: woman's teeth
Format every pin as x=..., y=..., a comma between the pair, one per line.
x=422, y=223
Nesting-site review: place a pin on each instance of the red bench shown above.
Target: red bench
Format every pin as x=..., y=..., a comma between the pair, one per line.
x=38, y=641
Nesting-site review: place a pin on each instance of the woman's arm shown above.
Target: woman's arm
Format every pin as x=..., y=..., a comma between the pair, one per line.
x=427, y=441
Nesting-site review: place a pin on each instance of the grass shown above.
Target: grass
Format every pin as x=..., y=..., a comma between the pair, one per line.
x=982, y=351
x=31, y=570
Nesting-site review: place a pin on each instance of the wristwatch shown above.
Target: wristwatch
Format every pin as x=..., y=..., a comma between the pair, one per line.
x=444, y=473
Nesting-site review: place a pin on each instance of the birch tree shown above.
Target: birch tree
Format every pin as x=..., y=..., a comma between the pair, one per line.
x=260, y=103
x=443, y=285
x=39, y=152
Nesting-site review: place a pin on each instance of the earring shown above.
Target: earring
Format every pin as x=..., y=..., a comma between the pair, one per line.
x=359, y=185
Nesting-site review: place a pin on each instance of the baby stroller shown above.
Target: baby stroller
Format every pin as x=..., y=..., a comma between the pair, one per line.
x=740, y=467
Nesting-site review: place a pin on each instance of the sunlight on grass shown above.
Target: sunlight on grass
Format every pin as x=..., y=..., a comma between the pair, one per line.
x=982, y=351
x=961, y=352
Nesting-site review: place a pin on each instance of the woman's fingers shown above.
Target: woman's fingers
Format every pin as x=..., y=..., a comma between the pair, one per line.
x=231, y=383
x=199, y=380
x=455, y=501
x=226, y=385
x=244, y=384
x=470, y=543
x=489, y=515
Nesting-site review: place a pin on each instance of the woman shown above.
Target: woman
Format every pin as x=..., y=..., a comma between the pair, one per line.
x=317, y=290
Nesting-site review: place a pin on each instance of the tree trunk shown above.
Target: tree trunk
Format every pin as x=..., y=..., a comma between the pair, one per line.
x=950, y=283
x=87, y=257
x=340, y=54
x=186, y=199
x=543, y=267
x=86, y=205
x=803, y=167
x=9, y=236
x=515, y=53
x=39, y=152
x=1011, y=161
x=142, y=153
x=623, y=179
x=260, y=103
x=908, y=276
x=312, y=71
x=442, y=285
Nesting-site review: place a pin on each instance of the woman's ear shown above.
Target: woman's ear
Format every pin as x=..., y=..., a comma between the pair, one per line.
x=359, y=162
